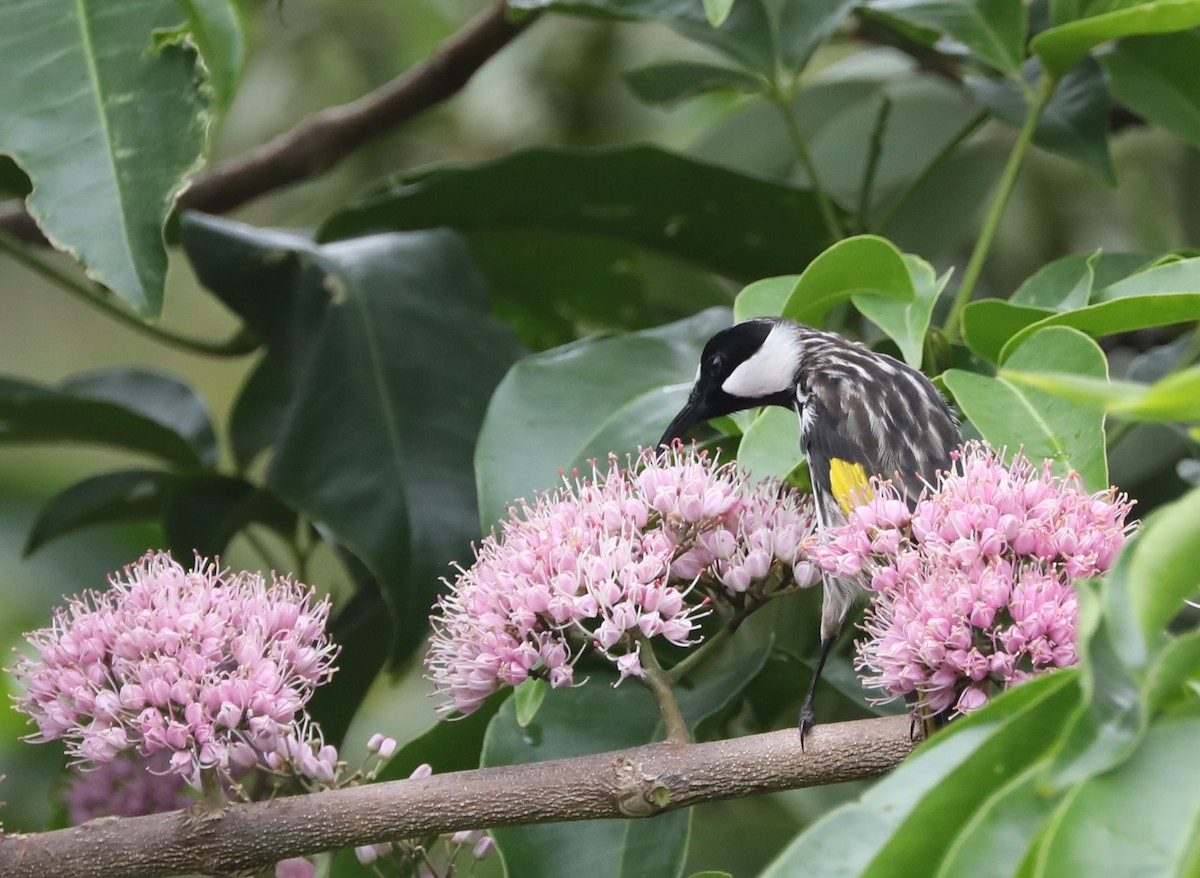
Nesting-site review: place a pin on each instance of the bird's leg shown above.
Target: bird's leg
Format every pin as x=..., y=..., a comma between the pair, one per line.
x=806, y=711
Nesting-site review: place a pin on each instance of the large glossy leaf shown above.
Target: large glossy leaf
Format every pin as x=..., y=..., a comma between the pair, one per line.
x=592, y=719
x=863, y=264
x=909, y=821
x=392, y=354
x=1153, y=77
x=78, y=84
x=201, y=514
x=1045, y=426
x=994, y=30
x=1061, y=47
x=1141, y=819
x=1073, y=124
x=555, y=410
x=744, y=35
x=728, y=222
x=764, y=298
x=127, y=495
x=32, y=413
x=1163, y=571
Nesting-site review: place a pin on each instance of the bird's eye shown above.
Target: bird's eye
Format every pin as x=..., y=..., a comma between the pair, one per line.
x=713, y=362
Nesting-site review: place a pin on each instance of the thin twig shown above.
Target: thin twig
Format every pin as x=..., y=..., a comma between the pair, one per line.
x=638, y=782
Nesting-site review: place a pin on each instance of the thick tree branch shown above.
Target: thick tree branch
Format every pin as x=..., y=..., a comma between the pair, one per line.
x=324, y=139
x=638, y=782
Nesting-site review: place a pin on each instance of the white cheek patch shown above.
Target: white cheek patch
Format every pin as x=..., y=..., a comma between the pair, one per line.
x=771, y=370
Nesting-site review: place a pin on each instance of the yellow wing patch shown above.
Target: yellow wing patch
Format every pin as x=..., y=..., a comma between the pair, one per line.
x=850, y=483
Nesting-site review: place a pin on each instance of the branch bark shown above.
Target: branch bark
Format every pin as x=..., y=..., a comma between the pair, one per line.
x=324, y=139
x=637, y=782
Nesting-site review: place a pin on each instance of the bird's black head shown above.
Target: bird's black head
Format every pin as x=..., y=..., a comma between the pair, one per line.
x=753, y=363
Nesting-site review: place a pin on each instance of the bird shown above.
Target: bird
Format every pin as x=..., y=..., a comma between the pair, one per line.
x=862, y=415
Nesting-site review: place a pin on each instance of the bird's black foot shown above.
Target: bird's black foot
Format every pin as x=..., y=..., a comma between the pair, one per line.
x=806, y=721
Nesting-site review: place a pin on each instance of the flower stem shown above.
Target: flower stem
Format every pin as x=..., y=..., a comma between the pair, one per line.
x=657, y=681
x=828, y=214
x=696, y=656
x=1045, y=90
x=240, y=343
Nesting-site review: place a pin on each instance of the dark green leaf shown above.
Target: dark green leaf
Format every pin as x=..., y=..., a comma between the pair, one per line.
x=1154, y=77
x=909, y=820
x=156, y=396
x=32, y=413
x=551, y=287
x=1176, y=668
x=13, y=181
x=259, y=410
x=745, y=36
x=639, y=195
x=449, y=745
x=672, y=81
x=863, y=264
x=1061, y=47
x=994, y=30
x=1075, y=122
x=201, y=514
x=1140, y=819
x=393, y=354
x=77, y=87
x=128, y=495
x=556, y=410
x=1045, y=426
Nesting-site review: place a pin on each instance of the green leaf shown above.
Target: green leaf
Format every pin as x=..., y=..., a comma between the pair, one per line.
x=32, y=413
x=595, y=718
x=1154, y=77
x=556, y=410
x=994, y=30
x=1075, y=122
x=862, y=264
x=1175, y=668
x=155, y=395
x=770, y=447
x=1140, y=819
x=994, y=841
x=377, y=443
x=1062, y=47
x=764, y=298
x=203, y=513
x=1117, y=315
x=745, y=34
x=1175, y=398
x=802, y=25
x=13, y=181
x=78, y=85
x=528, y=698
x=214, y=27
x=1163, y=572
x=671, y=82
x=127, y=495
x=1067, y=283
x=1169, y=276
x=453, y=745
x=906, y=322
x=717, y=11
x=618, y=194
x=1044, y=426
x=988, y=324
x=908, y=821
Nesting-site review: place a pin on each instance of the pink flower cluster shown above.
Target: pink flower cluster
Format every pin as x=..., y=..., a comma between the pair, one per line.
x=973, y=585
x=633, y=553
x=212, y=668
x=128, y=786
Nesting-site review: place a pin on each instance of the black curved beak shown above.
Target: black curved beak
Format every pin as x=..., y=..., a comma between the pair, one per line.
x=693, y=413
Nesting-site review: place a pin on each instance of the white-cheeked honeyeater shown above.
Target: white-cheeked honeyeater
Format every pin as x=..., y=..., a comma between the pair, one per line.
x=862, y=414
